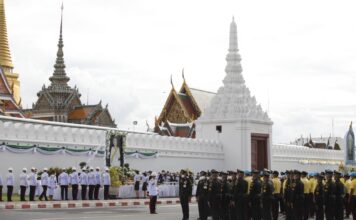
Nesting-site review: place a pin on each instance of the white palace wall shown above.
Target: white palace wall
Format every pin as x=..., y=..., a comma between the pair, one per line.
x=173, y=153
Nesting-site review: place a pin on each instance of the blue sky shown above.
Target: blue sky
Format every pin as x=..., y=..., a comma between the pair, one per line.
x=298, y=58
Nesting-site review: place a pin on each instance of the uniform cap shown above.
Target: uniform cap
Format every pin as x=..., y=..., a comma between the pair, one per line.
x=10, y=169
x=153, y=174
x=33, y=168
x=337, y=172
x=98, y=168
x=296, y=172
x=202, y=172
x=74, y=168
x=266, y=173
x=24, y=169
x=106, y=169
x=213, y=171
x=328, y=171
x=255, y=171
x=304, y=173
x=353, y=174
x=275, y=172
x=91, y=168
x=45, y=169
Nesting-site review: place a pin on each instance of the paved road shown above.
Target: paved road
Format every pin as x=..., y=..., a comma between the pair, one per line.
x=165, y=212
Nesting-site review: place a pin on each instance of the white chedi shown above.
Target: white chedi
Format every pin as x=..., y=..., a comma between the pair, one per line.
x=233, y=100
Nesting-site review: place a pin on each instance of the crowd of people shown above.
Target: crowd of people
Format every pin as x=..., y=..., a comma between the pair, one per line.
x=269, y=195
x=89, y=180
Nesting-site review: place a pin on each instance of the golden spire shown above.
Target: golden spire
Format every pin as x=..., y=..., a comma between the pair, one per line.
x=5, y=57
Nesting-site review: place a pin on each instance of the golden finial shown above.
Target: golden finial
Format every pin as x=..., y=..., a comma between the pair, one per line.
x=5, y=56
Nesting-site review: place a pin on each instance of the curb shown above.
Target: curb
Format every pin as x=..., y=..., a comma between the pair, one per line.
x=84, y=204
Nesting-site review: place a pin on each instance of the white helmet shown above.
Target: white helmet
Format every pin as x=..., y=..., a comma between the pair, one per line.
x=10, y=169
x=153, y=174
x=45, y=169
x=24, y=169
x=74, y=168
x=97, y=168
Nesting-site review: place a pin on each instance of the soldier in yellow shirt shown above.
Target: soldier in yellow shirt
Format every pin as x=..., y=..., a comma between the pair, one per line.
x=307, y=198
x=352, y=198
x=276, y=194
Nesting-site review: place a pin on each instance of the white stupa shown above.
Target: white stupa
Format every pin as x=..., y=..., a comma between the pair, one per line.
x=235, y=118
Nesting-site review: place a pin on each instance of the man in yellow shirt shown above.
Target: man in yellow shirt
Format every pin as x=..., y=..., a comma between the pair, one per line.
x=313, y=182
x=352, y=198
x=276, y=194
x=306, y=183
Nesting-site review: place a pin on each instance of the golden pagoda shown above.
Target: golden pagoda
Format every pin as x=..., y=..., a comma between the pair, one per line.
x=5, y=57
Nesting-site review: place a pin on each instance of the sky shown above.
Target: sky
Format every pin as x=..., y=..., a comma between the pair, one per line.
x=298, y=57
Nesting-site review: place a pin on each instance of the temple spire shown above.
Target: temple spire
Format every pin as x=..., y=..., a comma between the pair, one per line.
x=5, y=56
x=59, y=75
x=233, y=36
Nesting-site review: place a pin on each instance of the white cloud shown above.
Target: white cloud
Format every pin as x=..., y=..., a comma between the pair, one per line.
x=298, y=57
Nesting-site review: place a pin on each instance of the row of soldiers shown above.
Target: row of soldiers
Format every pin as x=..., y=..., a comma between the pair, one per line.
x=267, y=195
x=88, y=180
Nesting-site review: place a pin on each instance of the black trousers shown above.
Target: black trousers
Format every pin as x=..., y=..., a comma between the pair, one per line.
x=75, y=191
x=91, y=192
x=241, y=208
x=203, y=208
x=0, y=193
x=106, y=192
x=184, y=202
x=339, y=209
x=22, y=193
x=153, y=202
x=256, y=209
x=215, y=207
x=96, y=192
x=32, y=193
x=84, y=192
x=10, y=189
x=44, y=193
x=353, y=206
x=267, y=207
x=347, y=205
x=275, y=206
x=330, y=210
x=298, y=209
x=319, y=210
x=306, y=206
x=64, y=192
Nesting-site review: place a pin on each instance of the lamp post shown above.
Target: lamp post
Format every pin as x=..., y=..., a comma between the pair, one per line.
x=134, y=124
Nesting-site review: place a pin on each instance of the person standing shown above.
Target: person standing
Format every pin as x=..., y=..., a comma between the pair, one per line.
x=144, y=184
x=74, y=181
x=23, y=184
x=319, y=197
x=152, y=192
x=329, y=191
x=339, y=196
x=307, y=186
x=214, y=195
x=63, y=180
x=185, y=193
x=298, y=196
x=10, y=184
x=97, y=183
x=137, y=179
x=276, y=194
x=32, y=182
x=91, y=182
x=44, y=183
x=83, y=179
x=347, y=196
x=255, y=196
x=267, y=196
x=240, y=196
x=288, y=195
x=225, y=197
x=232, y=205
x=52, y=185
x=202, y=196
x=106, y=183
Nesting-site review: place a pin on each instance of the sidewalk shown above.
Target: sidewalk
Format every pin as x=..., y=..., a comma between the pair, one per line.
x=86, y=203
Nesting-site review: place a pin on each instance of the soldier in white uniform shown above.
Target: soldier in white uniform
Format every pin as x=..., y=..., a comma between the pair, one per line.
x=44, y=183
x=106, y=183
x=91, y=182
x=52, y=185
x=83, y=179
x=10, y=184
x=63, y=180
x=32, y=182
x=153, y=192
x=23, y=184
x=74, y=181
x=97, y=183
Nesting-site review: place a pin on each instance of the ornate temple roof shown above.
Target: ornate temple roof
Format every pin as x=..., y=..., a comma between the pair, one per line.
x=8, y=104
x=233, y=100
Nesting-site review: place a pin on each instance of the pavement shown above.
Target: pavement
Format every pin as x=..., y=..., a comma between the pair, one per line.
x=165, y=212
x=44, y=205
